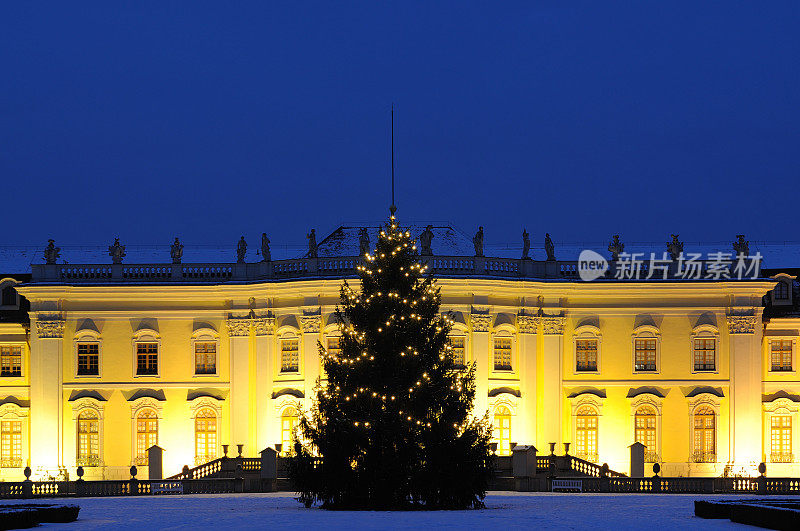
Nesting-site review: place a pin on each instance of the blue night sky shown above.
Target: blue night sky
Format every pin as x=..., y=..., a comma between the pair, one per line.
x=147, y=120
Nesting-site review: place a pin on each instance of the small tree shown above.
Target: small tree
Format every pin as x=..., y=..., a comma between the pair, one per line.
x=392, y=427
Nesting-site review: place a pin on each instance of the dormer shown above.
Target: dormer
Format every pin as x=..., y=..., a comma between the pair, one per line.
x=782, y=294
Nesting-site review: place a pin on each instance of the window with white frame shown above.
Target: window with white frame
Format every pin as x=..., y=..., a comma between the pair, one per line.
x=586, y=425
x=88, y=358
x=205, y=357
x=289, y=421
x=781, y=439
x=146, y=358
x=502, y=353
x=10, y=360
x=205, y=436
x=644, y=352
x=290, y=355
x=146, y=433
x=11, y=443
x=704, y=353
x=781, y=355
x=704, y=442
x=457, y=344
x=586, y=355
x=501, y=430
x=88, y=443
x=645, y=427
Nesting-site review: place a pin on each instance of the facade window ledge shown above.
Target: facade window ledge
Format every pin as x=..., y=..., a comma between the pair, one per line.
x=704, y=457
x=781, y=458
x=91, y=461
x=652, y=457
x=11, y=463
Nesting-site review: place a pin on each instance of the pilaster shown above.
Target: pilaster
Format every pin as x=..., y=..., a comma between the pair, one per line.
x=264, y=328
x=46, y=390
x=239, y=336
x=481, y=323
x=551, y=405
x=744, y=335
x=525, y=431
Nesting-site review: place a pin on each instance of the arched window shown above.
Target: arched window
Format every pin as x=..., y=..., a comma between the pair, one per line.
x=705, y=435
x=289, y=421
x=205, y=436
x=781, y=438
x=502, y=430
x=781, y=291
x=586, y=433
x=11, y=443
x=88, y=439
x=146, y=433
x=645, y=432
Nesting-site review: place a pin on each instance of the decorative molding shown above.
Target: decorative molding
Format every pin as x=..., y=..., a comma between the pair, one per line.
x=742, y=324
x=310, y=323
x=553, y=325
x=50, y=326
x=264, y=326
x=238, y=326
x=14, y=409
x=527, y=324
x=481, y=322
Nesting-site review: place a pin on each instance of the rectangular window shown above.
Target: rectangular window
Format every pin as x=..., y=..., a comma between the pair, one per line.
x=88, y=359
x=502, y=354
x=205, y=358
x=88, y=442
x=781, y=355
x=146, y=359
x=585, y=355
x=705, y=354
x=457, y=349
x=11, y=444
x=645, y=354
x=10, y=360
x=290, y=355
x=781, y=435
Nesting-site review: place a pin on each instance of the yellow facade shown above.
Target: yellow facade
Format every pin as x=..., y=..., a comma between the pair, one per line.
x=685, y=365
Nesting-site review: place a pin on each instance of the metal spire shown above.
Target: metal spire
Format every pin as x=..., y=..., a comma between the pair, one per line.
x=393, y=208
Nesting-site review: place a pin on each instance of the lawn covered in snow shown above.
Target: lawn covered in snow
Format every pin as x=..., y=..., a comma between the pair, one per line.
x=505, y=510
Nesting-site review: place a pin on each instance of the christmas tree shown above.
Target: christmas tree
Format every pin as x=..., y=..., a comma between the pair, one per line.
x=392, y=427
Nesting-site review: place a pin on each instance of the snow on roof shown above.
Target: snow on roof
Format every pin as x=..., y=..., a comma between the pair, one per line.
x=344, y=241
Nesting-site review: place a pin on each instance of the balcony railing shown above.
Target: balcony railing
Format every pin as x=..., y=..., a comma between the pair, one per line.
x=343, y=266
x=704, y=457
x=781, y=458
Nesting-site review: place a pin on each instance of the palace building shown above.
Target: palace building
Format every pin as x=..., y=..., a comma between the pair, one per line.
x=104, y=354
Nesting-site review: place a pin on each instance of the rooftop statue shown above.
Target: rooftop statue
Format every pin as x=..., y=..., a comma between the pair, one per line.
x=312, y=243
x=675, y=247
x=549, y=248
x=616, y=247
x=51, y=252
x=741, y=246
x=241, y=250
x=425, y=239
x=477, y=241
x=176, y=251
x=526, y=244
x=116, y=251
x=266, y=255
x=363, y=241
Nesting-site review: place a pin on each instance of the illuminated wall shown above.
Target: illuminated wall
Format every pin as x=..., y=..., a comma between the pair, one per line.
x=542, y=395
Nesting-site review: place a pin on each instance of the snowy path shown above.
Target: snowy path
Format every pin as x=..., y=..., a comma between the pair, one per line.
x=505, y=510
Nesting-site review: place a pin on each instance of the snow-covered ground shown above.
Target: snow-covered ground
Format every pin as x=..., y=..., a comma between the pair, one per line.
x=505, y=510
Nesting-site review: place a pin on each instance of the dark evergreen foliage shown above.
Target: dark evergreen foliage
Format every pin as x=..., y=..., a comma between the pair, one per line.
x=392, y=427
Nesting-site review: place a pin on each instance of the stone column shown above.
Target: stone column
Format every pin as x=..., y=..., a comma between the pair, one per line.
x=46, y=440
x=525, y=428
x=264, y=365
x=311, y=327
x=550, y=407
x=239, y=334
x=481, y=323
x=745, y=398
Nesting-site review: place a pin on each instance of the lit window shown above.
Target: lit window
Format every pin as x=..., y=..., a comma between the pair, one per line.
x=290, y=355
x=644, y=354
x=289, y=421
x=205, y=357
x=781, y=291
x=585, y=355
x=10, y=360
x=645, y=432
x=457, y=350
x=146, y=359
x=705, y=354
x=88, y=439
x=704, y=436
x=502, y=354
x=781, y=354
x=88, y=359
x=11, y=444
x=501, y=430
x=781, y=435
x=205, y=436
x=146, y=434
x=586, y=434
